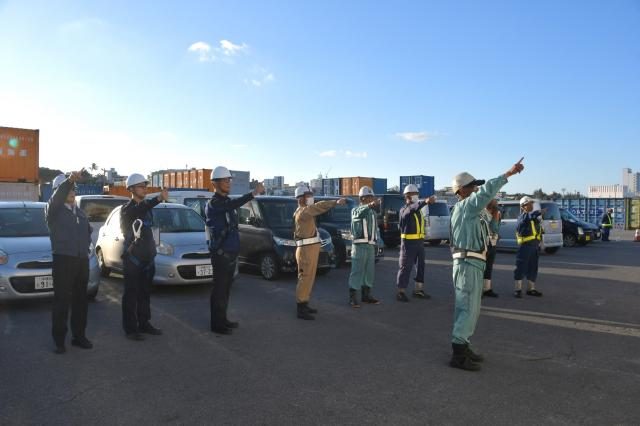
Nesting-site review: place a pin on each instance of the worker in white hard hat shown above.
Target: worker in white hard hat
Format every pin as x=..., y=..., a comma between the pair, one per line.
x=469, y=239
x=528, y=236
x=224, y=244
x=412, y=226
x=308, y=241
x=70, y=234
x=492, y=216
x=364, y=230
x=138, y=258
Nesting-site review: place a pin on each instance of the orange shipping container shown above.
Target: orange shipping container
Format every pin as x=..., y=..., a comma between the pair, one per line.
x=172, y=180
x=179, y=180
x=346, y=186
x=359, y=182
x=185, y=179
x=19, y=155
x=193, y=178
x=166, y=180
x=204, y=178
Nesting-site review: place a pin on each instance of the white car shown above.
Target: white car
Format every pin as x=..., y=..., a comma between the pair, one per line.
x=197, y=200
x=438, y=221
x=551, y=225
x=183, y=255
x=25, y=253
x=97, y=208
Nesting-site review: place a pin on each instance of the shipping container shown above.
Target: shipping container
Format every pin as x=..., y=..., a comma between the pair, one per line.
x=379, y=186
x=186, y=183
x=172, y=180
x=633, y=213
x=157, y=178
x=193, y=178
x=204, y=178
x=331, y=186
x=82, y=189
x=178, y=180
x=592, y=209
x=19, y=155
x=166, y=179
x=425, y=184
x=19, y=191
x=122, y=191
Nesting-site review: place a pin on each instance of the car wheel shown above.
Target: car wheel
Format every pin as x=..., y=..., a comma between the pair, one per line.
x=269, y=266
x=322, y=271
x=92, y=295
x=104, y=270
x=551, y=250
x=435, y=242
x=570, y=240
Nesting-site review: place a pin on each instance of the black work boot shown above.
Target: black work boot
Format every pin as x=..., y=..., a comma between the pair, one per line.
x=472, y=355
x=367, y=297
x=303, y=313
x=461, y=360
x=353, y=298
x=310, y=309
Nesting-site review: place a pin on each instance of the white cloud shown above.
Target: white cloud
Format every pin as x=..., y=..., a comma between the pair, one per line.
x=330, y=153
x=351, y=154
x=414, y=136
x=230, y=49
x=203, y=50
x=266, y=78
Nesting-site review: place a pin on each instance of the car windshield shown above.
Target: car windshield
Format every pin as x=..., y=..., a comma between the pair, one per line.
x=438, y=209
x=97, y=210
x=553, y=211
x=510, y=211
x=178, y=220
x=23, y=222
x=279, y=213
x=567, y=215
x=197, y=204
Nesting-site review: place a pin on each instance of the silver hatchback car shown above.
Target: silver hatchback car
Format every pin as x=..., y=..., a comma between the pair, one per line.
x=25, y=253
x=183, y=255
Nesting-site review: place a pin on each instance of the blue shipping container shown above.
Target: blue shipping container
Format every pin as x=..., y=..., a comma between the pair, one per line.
x=331, y=186
x=379, y=186
x=425, y=184
x=592, y=209
x=83, y=189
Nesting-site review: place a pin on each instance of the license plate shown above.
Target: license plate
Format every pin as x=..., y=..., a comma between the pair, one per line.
x=554, y=225
x=204, y=270
x=588, y=238
x=43, y=283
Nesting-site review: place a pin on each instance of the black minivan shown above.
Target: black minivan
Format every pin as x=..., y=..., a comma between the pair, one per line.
x=389, y=218
x=266, y=237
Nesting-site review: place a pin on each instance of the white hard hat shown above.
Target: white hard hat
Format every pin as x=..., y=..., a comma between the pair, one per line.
x=220, y=172
x=302, y=190
x=525, y=200
x=135, y=179
x=365, y=191
x=463, y=179
x=410, y=188
x=57, y=181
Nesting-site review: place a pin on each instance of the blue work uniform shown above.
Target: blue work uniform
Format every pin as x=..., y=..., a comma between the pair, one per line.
x=411, y=243
x=224, y=244
x=469, y=236
x=606, y=222
x=528, y=236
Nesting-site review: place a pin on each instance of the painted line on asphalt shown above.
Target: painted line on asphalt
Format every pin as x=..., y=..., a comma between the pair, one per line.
x=566, y=321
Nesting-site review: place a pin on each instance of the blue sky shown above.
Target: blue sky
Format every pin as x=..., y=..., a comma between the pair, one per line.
x=358, y=88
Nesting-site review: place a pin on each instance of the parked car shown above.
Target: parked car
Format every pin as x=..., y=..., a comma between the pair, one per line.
x=266, y=237
x=197, y=200
x=389, y=218
x=25, y=254
x=97, y=208
x=183, y=254
x=337, y=222
x=551, y=225
x=576, y=231
x=438, y=222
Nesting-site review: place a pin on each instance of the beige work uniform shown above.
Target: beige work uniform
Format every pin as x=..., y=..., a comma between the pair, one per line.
x=307, y=255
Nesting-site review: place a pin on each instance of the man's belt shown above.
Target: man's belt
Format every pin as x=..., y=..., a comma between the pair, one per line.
x=308, y=241
x=462, y=254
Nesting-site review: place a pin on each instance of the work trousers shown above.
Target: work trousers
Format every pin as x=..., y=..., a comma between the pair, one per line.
x=467, y=280
x=526, y=262
x=136, y=299
x=224, y=267
x=70, y=280
x=605, y=233
x=307, y=259
x=363, y=262
x=411, y=252
x=491, y=257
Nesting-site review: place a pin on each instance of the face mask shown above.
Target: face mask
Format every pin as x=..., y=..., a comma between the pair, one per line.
x=309, y=201
x=414, y=198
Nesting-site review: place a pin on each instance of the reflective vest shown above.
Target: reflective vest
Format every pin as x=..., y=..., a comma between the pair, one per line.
x=535, y=234
x=609, y=224
x=419, y=227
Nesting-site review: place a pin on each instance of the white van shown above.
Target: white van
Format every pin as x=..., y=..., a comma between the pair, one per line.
x=438, y=221
x=551, y=225
x=197, y=200
x=97, y=208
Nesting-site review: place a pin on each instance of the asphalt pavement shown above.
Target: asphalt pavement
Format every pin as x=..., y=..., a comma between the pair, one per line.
x=571, y=357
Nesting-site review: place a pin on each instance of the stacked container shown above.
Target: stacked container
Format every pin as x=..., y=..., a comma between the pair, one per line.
x=425, y=184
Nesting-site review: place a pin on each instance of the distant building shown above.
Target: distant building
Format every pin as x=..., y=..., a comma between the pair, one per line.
x=631, y=182
x=606, y=191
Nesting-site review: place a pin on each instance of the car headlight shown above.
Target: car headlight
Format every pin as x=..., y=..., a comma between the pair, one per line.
x=4, y=257
x=165, y=249
x=580, y=230
x=284, y=242
x=346, y=235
